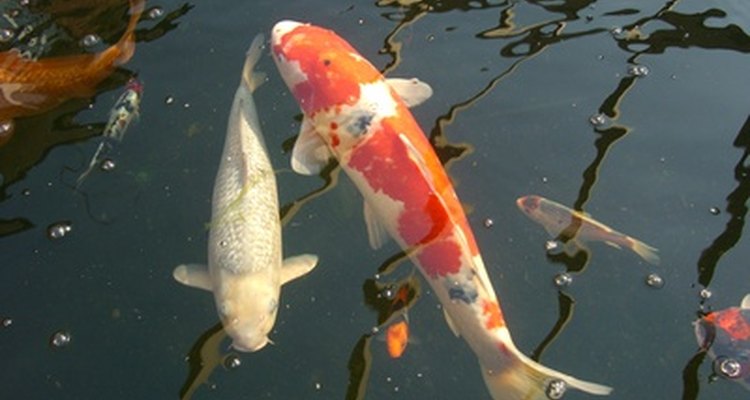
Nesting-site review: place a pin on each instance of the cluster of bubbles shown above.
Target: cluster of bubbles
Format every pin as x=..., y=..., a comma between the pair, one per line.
x=108, y=165
x=155, y=13
x=556, y=389
x=638, y=70
x=59, y=230
x=598, y=120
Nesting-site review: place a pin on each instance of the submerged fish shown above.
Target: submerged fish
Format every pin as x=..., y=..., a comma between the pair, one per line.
x=355, y=115
x=558, y=219
x=397, y=333
x=245, y=268
x=725, y=334
x=125, y=110
x=29, y=87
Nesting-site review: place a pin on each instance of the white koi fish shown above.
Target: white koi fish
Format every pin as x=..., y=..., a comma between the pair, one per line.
x=355, y=115
x=556, y=218
x=245, y=268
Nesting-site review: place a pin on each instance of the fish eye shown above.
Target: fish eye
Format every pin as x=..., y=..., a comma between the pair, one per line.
x=326, y=62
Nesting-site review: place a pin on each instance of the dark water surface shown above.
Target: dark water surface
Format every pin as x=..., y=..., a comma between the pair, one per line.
x=516, y=83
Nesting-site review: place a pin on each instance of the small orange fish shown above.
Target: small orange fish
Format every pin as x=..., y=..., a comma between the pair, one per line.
x=29, y=87
x=396, y=338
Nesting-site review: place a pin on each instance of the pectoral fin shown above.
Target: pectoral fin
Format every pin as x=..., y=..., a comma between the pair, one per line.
x=376, y=232
x=310, y=153
x=294, y=267
x=413, y=91
x=745, y=302
x=193, y=275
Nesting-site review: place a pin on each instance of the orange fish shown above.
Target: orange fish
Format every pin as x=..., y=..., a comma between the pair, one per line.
x=29, y=87
x=396, y=338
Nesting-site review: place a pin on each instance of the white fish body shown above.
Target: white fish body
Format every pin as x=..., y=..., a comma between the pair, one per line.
x=245, y=267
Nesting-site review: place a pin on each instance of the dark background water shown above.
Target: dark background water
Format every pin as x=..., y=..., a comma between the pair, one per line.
x=515, y=86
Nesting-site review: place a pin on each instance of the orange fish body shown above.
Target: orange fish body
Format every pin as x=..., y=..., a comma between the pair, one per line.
x=29, y=87
x=396, y=338
x=352, y=113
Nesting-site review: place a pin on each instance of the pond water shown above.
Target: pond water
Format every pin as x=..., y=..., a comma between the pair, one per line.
x=94, y=312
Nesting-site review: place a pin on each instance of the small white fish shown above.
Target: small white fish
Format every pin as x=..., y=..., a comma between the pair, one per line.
x=245, y=268
x=556, y=218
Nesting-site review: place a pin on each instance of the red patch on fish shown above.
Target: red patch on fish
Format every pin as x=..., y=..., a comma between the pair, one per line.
x=440, y=258
x=326, y=60
x=732, y=322
x=494, y=315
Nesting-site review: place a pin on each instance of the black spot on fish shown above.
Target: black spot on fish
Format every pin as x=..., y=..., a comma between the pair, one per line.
x=326, y=62
x=360, y=124
x=457, y=293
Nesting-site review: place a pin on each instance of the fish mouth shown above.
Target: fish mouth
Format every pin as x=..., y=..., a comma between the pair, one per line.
x=252, y=347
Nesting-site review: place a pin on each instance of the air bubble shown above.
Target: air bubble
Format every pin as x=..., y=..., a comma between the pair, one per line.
x=563, y=279
x=6, y=128
x=232, y=361
x=6, y=322
x=155, y=12
x=714, y=210
x=545, y=179
x=59, y=230
x=488, y=222
x=655, y=281
x=638, y=70
x=169, y=100
x=60, y=339
x=318, y=386
x=553, y=247
x=108, y=165
x=430, y=38
x=705, y=294
x=90, y=40
x=598, y=119
x=223, y=243
x=728, y=367
x=556, y=389
x=618, y=33
x=6, y=35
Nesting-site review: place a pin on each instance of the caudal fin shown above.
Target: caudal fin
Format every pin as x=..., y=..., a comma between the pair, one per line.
x=648, y=253
x=126, y=44
x=525, y=379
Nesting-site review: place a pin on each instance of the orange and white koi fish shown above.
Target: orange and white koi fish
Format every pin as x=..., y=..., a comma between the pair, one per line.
x=355, y=115
x=556, y=218
x=29, y=87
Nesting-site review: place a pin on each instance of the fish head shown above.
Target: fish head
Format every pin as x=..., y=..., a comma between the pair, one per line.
x=248, y=309
x=529, y=205
x=339, y=91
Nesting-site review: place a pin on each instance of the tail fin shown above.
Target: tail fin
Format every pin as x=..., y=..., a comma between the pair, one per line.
x=126, y=44
x=525, y=379
x=648, y=253
x=253, y=79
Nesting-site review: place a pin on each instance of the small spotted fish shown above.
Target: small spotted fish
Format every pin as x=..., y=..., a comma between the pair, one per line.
x=556, y=219
x=355, y=115
x=125, y=110
x=725, y=334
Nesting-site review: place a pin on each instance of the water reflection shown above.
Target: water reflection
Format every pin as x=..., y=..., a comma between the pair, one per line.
x=63, y=24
